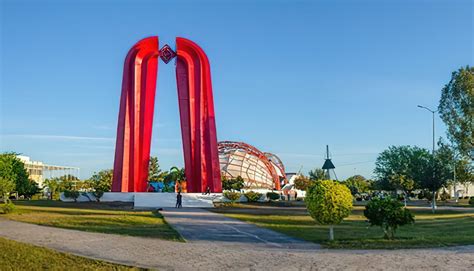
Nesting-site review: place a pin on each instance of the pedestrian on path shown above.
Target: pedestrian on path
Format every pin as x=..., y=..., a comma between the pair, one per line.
x=179, y=200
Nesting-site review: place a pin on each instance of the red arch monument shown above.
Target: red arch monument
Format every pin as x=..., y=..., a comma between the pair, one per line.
x=198, y=128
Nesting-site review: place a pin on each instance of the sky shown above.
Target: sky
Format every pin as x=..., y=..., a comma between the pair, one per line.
x=289, y=77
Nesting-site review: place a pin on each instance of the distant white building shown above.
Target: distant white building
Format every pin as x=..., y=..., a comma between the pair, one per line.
x=461, y=190
x=40, y=171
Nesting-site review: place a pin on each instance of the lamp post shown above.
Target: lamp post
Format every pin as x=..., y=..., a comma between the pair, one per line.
x=433, y=113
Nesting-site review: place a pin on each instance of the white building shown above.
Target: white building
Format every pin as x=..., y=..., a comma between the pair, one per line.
x=40, y=171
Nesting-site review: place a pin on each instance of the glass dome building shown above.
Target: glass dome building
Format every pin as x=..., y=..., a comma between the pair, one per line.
x=260, y=170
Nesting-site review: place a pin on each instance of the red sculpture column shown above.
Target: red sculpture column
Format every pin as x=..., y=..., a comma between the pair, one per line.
x=132, y=152
x=198, y=125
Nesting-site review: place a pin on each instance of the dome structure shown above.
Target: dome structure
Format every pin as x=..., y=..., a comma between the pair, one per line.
x=258, y=169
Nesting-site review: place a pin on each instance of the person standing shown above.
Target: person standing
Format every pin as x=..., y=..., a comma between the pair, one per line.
x=179, y=200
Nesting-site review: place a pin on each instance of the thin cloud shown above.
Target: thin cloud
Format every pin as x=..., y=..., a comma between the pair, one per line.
x=61, y=137
x=300, y=155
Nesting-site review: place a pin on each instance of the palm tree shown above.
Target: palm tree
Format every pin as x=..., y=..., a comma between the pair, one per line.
x=175, y=175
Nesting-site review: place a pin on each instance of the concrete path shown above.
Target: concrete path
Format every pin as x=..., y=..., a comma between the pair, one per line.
x=200, y=225
x=202, y=255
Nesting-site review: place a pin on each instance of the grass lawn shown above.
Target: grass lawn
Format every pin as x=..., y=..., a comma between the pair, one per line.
x=19, y=256
x=445, y=228
x=94, y=217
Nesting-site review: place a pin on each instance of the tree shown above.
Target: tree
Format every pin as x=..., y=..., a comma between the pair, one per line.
x=101, y=182
x=302, y=182
x=434, y=173
x=398, y=167
x=328, y=202
x=389, y=214
x=175, y=175
x=31, y=189
x=6, y=187
x=12, y=168
x=53, y=186
x=456, y=108
x=461, y=165
x=317, y=174
x=357, y=184
x=404, y=183
x=154, y=172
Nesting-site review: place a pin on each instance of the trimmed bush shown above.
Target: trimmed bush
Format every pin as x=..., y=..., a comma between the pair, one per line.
x=328, y=202
x=389, y=214
x=273, y=196
x=72, y=194
x=232, y=196
x=471, y=201
x=7, y=207
x=252, y=196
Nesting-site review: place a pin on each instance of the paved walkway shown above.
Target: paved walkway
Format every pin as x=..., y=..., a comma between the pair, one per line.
x=229, y=253
x=200, y=225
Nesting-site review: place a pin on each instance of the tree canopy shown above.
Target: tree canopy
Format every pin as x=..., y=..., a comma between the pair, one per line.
x=316, y=174
x=13, y=169
x=399, y=167
x=302, y=182
x=357, y=184
x=154, y=172
x=456, y=108
x=102, y=180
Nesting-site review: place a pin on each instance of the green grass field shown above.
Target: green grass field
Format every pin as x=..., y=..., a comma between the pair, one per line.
x=445, y=228
x=94, y=217
x=19, y=256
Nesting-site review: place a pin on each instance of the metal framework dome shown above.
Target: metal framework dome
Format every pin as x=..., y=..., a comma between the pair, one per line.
x=258, y=169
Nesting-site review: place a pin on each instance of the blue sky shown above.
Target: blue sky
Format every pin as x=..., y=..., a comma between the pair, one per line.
x=289, y=77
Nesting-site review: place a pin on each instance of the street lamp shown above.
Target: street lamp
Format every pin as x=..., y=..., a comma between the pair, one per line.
x=432, y=112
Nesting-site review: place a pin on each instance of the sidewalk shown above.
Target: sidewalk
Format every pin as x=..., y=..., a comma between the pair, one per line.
x=200, y=225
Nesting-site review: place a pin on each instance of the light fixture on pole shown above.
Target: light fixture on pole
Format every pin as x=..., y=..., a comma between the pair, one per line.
x=433, y=113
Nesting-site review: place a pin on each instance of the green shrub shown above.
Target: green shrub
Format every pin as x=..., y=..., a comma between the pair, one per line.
x=444, y=196
x=232, y=196
x=252, y=196
x=7, y=207
x=328, y=202
x=273, y=196
x=71, y=194
x=233, y=184
x=389, y=214
x=421, y=195
x=428, y=195
x=471, y=201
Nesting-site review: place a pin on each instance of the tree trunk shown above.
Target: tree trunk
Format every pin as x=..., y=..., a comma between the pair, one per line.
x=433, y=202
x=405, y=198
x=331, y=233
